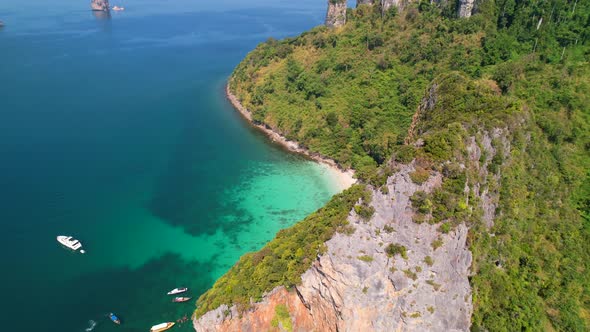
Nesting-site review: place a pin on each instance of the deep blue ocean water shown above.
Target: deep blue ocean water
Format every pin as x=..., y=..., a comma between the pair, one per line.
x=115, y=129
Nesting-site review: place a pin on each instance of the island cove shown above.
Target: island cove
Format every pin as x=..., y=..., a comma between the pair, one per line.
x=342, y=178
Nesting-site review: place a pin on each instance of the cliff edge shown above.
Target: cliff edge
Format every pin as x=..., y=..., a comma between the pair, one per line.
x=361, y=285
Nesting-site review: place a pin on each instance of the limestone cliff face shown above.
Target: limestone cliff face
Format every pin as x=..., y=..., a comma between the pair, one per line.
x=356, y=286
x=336, y=15
x=364, y=2
x=387, y=4
x=101, y=5
x=466, y=8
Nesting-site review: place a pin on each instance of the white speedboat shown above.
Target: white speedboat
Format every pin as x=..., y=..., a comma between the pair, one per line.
x=177, y=291
x=70, y=243
x=161, y=327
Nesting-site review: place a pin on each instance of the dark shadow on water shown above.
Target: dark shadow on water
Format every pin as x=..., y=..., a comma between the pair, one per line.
x=103, y=20
x=193, y=190
x=192, y=195
x=137, y=296
x=197, y=189
x=101, y=15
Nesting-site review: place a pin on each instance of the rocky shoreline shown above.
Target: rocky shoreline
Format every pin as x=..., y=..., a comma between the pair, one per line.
x=345, y=177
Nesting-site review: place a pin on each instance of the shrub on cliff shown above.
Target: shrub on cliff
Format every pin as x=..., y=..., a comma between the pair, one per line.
x=396, y=249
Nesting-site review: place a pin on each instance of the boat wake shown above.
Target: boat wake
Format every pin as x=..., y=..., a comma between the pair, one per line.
x=91, y=326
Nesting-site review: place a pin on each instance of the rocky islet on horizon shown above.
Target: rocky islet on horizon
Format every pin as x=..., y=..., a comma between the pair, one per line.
x=100, y=5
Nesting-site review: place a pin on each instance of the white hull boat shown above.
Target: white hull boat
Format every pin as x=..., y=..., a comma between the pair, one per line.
x=161, y=327
x=70, y=243
x=177, y=291
x=179, y=299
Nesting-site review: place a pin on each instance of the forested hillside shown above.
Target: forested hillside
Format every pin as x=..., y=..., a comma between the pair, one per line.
x=521, y=67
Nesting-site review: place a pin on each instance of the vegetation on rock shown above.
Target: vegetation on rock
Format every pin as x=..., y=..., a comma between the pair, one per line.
x=282, y=317
x=396, y=249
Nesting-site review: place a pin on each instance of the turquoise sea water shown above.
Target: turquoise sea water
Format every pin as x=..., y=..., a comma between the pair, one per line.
x=115, y=130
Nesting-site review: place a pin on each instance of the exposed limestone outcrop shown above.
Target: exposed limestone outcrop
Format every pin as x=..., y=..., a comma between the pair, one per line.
x=487, y=187
x=336, y=15
x=399, y=4
x=480, y=152
x=364, y=2
x=385, y=4
x=393, y=293
x=356, y=286
x=466, y=8
x=260, y=317
x=100, y=5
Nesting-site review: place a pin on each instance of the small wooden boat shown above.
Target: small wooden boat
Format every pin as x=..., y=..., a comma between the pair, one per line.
x=114, y=318
x=181, y=299
x=162, y=327
x=177, y=291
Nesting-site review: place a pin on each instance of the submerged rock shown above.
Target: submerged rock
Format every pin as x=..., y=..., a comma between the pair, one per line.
x=100, y=5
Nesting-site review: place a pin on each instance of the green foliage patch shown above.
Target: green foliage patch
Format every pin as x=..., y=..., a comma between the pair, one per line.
x=396, y=249
x=282, y=317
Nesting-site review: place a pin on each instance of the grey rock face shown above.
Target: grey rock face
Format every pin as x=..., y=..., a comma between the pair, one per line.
x=101, y=5
x=387, y=4
x=393, y=293
x=427, y=290
x=336, y=15
x=487, y=188
x=466, y=8
x=364, y=2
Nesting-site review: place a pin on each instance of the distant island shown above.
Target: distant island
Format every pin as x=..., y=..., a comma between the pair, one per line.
x=100, y=5
x=468, y=129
